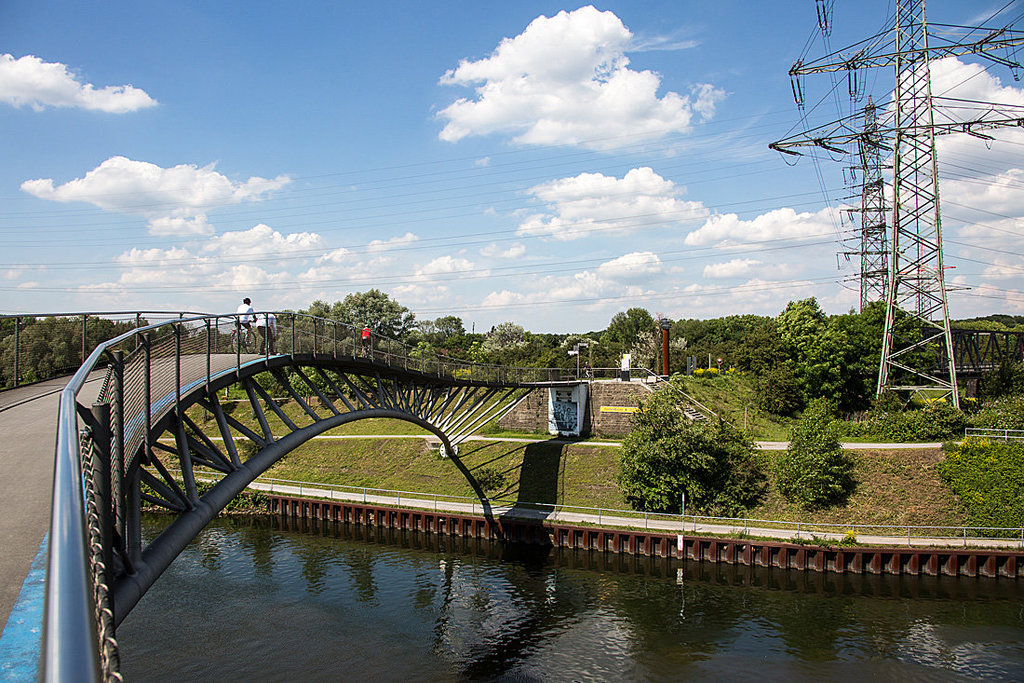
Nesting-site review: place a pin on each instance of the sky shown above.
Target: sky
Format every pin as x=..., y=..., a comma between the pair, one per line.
x=542, y=163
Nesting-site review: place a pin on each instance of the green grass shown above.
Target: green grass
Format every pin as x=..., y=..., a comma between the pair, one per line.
x=569, y=474
x=894, y=487
x=732, y=397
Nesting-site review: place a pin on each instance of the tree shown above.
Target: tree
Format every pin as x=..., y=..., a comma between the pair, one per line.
x=505, y=337
x=815, y=471
x=372, y=308
x=626, y=327
x=666, y=454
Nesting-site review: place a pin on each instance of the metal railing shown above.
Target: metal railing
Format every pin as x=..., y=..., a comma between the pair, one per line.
x=633, y=518
x=994, y=434
x=26, y=356
x=152, y=366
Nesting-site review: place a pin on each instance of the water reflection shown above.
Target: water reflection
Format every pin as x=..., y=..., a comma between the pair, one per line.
x=270, y=599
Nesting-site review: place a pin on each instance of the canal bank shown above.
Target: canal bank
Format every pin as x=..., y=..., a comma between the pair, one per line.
x=531, y=526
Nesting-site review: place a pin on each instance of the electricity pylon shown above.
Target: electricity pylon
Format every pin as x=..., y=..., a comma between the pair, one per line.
x=872, y=250
x=917, y=345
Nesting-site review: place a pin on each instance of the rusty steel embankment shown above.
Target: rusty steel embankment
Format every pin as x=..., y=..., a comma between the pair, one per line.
x=969, y=562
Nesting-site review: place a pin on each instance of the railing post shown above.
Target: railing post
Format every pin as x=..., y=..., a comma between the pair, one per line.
x=266, y=336
x=147, y=390
x=293, y=335
x=209, y=354
x=238, y=344
x=85, y=355
x=117, y=457
x=314, y=337
x=177, y=369
x=101, y=479
x=334, y=327
x=17, y=351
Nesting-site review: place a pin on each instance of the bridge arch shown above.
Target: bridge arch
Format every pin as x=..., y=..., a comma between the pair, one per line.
x=138, y=444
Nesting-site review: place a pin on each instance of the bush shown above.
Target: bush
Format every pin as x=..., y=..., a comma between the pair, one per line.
x=814, y=471
x=489, y=478
x=989, y=479
x=778, y=392
x=1004, y=413
x=666, y=454
x=936, y=421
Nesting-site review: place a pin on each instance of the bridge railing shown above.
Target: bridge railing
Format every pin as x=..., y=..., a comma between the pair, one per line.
x=41, y=346
x=148, y=368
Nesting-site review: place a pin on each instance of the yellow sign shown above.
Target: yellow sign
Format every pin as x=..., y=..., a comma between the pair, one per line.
x=618, y=409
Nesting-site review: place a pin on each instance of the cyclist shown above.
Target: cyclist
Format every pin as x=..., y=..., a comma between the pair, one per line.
x=367, y=340
x=246, y=319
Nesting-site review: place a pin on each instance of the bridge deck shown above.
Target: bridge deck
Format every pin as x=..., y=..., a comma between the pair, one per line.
x=28, y=429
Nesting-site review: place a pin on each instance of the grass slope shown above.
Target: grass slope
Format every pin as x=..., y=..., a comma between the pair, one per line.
x=894, y=487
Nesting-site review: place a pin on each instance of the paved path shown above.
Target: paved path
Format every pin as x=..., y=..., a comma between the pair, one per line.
x=28, y=434
x=616, y=518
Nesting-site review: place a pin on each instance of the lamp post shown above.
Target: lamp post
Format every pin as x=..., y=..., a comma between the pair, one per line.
x=576, y=352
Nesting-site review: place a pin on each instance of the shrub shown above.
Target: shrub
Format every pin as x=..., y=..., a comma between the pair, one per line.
x=1004, y=413
x=489, y=478
x=666, y=454
x=814, y=471
x=989, y=479
x=778, y=392
x=936, y=421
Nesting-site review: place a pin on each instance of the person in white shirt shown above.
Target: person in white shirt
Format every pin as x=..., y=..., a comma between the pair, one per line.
x=266, y=325
x=247, y=317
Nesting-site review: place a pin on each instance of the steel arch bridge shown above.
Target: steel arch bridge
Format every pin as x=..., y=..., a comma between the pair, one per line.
x=138, y=445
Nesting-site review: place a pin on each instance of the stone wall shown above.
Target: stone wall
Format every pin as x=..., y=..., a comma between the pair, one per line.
x=532, y=413
x=612, y=394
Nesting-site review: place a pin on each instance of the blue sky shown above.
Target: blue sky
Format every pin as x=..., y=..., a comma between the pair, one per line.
x=543, y=163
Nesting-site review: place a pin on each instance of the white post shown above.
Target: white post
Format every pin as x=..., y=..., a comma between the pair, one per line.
x=682, y=517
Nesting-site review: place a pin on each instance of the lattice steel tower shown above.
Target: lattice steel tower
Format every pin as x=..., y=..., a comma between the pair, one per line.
x=873, y=248
x=917, y=347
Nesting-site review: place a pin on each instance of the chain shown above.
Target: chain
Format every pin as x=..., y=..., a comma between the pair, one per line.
x=109, y=658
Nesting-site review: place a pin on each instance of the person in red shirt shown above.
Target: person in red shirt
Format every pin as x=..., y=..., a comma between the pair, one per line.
x=367, y=338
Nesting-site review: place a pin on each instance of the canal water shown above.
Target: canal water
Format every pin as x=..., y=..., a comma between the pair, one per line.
x=267, y=599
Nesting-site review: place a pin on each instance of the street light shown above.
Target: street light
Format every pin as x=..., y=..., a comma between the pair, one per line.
x=576, y=352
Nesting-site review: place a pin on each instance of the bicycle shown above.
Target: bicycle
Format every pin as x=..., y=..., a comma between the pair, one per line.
x=248, y=339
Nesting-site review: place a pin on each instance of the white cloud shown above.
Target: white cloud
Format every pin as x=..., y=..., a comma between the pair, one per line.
x=175, y=200
x=263, y=241
x=339, y=255
x=384, y=245
x=609, y=205
x=785, y=223
x=29, y=81
x=446, y=264
x=494, y=251
x=639, y=264
x=566, y=80
x=730, y=269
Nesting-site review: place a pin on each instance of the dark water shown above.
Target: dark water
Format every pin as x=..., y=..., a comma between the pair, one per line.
x=251, y=599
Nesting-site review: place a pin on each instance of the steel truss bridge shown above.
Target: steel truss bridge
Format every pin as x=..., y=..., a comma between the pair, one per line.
x=976, y=352
x=140, y=444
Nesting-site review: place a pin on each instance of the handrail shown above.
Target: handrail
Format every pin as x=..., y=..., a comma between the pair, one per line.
x=70, y=634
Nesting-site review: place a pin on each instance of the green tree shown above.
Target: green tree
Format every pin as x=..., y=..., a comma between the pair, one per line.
x=373, y=308
x=506, y=336
x=666, y=454
x=777, y=391
x=625, y=328
x=815, y=471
